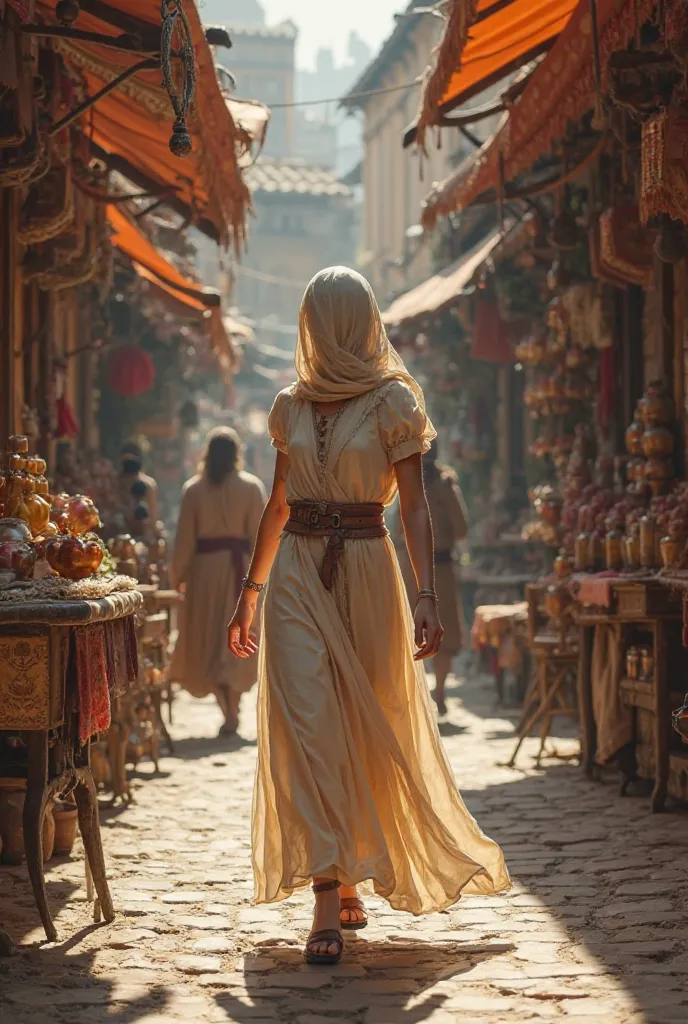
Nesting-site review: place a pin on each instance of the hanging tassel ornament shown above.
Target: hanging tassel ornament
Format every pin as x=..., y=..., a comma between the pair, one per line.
x=174, y=17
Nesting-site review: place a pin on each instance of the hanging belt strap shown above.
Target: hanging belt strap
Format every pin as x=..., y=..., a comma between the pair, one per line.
x=339, y=523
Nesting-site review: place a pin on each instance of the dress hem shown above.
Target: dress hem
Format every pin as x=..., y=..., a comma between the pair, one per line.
x=358, y=878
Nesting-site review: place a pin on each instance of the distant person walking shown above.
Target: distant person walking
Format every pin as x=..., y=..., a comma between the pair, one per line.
x=449, y=526
x=134, y=485
x=218, y=523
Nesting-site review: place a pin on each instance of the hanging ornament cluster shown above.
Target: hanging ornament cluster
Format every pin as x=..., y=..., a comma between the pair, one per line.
x=174, y=20
x=130, y=371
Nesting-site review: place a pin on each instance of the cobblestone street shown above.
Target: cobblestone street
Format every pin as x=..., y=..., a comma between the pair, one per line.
x=595, y=928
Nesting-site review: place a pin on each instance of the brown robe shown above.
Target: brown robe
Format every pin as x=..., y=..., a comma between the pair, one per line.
x=449, y=526
x=201, y=661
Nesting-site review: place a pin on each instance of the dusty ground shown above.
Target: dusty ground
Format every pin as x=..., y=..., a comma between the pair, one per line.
x=595, y=929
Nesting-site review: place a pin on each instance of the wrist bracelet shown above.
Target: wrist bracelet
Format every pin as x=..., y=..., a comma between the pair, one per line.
x=247, y=584
x=432, y=594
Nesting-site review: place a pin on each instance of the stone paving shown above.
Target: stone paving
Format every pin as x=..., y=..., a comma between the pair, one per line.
x=594, y=930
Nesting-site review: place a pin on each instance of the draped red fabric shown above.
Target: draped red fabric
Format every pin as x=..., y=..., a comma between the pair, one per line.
x=491, y=342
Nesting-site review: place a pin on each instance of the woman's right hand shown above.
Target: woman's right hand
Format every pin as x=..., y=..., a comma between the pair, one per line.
x=241, y=642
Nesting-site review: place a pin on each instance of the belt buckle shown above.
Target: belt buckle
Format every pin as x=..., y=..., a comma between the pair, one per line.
x=336, y=520
x=314, y=517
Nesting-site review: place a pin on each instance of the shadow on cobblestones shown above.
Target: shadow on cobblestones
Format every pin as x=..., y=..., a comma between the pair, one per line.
x=387, y=978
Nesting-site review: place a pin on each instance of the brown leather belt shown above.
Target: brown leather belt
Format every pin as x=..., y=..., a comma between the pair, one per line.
x=337, y=522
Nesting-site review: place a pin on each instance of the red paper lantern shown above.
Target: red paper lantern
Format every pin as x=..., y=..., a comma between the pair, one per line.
x=131, y=371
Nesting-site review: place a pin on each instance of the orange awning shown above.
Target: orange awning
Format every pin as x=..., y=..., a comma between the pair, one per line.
x=150, y=264
x=438, y=291
x=130, y=240
x=133, y=124
x=483, y=42
x=561, y=90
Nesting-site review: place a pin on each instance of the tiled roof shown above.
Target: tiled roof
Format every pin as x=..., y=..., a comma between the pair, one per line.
x=292, y=176
x=285, y=30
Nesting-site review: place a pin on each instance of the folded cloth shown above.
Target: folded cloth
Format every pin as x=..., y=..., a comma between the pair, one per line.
x=92, y=677
x=131, y=651
x=593, y=588
x=120, y=669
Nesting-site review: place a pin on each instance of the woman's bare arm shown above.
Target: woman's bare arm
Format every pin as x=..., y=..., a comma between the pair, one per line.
x=415, y=518
x=272, y=522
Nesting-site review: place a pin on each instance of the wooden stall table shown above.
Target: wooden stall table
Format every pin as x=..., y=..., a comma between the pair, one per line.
x=45, y=697
x=650, y=605
x=500, y=627
x=554, y=663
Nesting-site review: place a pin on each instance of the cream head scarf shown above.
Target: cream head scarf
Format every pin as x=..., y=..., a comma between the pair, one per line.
x=343, y=350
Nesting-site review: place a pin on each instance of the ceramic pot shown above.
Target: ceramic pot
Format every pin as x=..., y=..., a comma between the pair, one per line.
x=647, y=663
x=595, y=551
x=613, y=556
x=580, y=552
x=12, y=821
x=631, y=551
x=74, y=558
x=634, y=438
x=12, y=796
x=18, y=443
x=66, y=826
x=657, y=442
x=647, y=542
x=656, y=410
x=671, y=549
x=632, y=663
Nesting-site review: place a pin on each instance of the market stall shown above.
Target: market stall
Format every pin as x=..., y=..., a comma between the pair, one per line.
x=592, y=142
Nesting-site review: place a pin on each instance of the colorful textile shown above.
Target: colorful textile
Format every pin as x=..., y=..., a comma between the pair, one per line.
x=122, y=660
x=92, y=678
x=593, y=588
x=664, y=166
x=23, y=8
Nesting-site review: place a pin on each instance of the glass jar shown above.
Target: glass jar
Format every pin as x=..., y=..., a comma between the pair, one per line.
x=632, y=663
x=648, y=542
x=647, y=663
x=612, y=550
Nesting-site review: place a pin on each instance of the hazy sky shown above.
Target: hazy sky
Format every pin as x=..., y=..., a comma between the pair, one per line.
x=328, y=23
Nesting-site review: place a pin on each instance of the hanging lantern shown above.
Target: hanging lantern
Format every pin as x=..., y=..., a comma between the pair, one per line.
x=131, y=371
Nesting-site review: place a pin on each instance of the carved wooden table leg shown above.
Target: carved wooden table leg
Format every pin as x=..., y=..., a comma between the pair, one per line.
x=585, y=709
x=87, y=806
x=662, y=723
x=34, y=810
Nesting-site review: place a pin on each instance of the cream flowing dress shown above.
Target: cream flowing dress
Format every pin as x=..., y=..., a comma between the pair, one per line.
x=353, y=782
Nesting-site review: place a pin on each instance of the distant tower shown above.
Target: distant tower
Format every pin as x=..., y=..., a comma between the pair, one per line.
x=233, y=12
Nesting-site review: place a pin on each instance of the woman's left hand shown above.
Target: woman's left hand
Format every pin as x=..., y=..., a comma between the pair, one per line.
x=428, y=629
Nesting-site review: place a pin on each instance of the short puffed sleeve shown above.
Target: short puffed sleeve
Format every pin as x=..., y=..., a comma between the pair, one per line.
x=405, y=429
x=278, y=421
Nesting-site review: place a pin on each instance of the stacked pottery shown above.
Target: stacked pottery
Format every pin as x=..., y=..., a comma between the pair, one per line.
x=66, y=825
x=12, y=796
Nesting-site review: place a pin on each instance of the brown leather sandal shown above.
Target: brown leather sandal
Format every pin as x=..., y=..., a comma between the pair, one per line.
x=353, y=903
x=329, y=935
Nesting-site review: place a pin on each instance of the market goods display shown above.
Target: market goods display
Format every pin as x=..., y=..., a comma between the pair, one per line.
x=36, y=526
x=628, y=513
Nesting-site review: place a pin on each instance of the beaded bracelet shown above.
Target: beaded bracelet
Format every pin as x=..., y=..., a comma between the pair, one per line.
x=432, y=594
x=247, y=584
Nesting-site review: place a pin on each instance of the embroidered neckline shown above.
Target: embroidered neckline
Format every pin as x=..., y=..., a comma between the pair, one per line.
x=324, y=427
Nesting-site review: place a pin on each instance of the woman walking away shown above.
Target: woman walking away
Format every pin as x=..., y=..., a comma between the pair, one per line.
x=218, y=523
x=353, y=782
x=449, y=526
